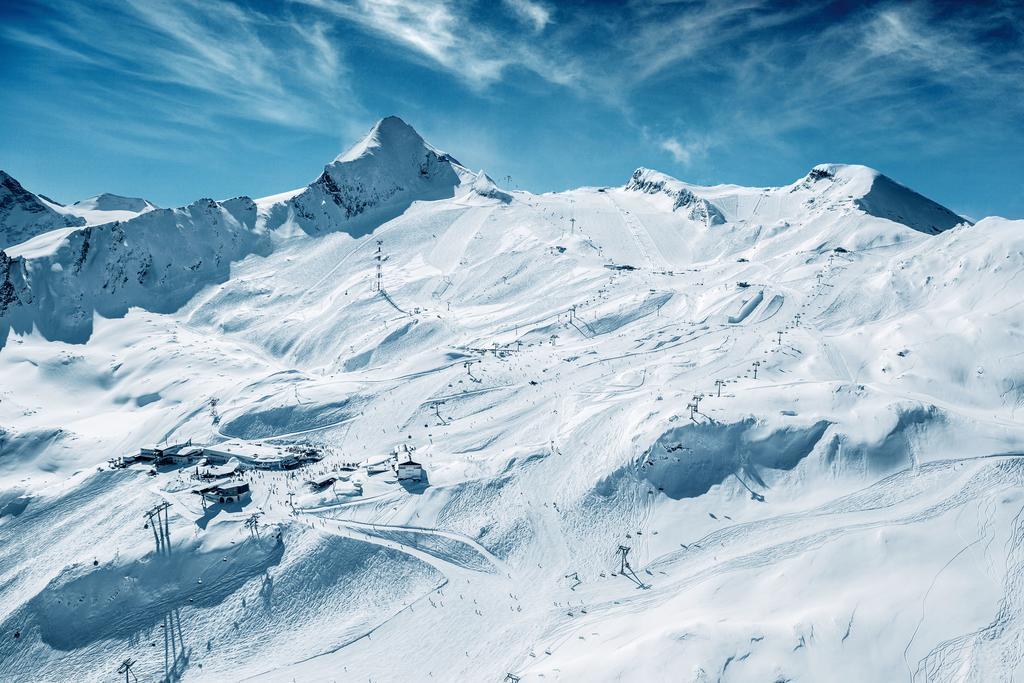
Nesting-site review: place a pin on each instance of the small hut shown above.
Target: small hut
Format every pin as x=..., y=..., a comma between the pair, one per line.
x=409, y=469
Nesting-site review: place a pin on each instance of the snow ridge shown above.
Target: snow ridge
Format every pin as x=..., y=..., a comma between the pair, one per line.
x=114, y=202
x=697, y=209
x=24, y=215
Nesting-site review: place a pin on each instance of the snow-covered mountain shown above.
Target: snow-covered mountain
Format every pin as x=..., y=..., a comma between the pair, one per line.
x=373, y=182
x=162, y=257
x=795, y=408
x=24, y=215
x=107, y=208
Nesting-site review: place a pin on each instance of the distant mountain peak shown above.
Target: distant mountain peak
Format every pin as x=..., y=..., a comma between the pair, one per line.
x=115, y=202
x=878, y=195
x=696, y=208
x=375, y=180
x=825, y=185
x=390, y=137
x=484, y=186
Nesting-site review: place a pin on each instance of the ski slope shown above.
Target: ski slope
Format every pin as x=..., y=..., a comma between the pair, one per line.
x=797, y=407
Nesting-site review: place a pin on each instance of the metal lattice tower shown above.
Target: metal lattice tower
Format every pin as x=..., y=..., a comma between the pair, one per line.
x=161, y=527
x=623, y=551
x=380, y=260
x=126, y=669
x=252, y=523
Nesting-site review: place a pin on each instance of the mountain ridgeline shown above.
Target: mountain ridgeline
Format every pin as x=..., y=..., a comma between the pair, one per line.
x=57, y=269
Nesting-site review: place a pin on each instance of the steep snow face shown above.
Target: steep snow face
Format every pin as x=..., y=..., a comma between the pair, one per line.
x=373, y=182
x=24, y=215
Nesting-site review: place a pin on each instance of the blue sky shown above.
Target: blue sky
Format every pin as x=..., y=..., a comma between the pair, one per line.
x=174, y=100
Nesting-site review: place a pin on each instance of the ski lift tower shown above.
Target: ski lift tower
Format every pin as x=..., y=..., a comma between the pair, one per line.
x=623, y=551
x=380, y=260
x=126, y=669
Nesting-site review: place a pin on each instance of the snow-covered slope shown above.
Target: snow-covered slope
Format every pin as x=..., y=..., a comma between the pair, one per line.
x=107, y=208
x=797, y=408
x=24, y=215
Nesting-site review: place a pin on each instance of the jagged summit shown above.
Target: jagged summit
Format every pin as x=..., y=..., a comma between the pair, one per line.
x=376, y=180
x=393, y=146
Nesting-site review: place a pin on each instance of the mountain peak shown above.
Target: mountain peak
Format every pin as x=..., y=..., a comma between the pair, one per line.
x=878, y=195
x=389, y=137
x=376, y=180
x=115, y=202
x=696, y=208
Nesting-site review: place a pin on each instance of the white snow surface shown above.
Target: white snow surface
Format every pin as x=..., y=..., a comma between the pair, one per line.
x=844, y=503
x=107, y=208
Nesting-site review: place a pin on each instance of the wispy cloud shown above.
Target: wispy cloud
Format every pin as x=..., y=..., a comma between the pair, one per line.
x=247, y=65
x=904, y=73
x=904, y=69
x=533, y=14
x=447, y=35
x=684, y=153
x=763, y=67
